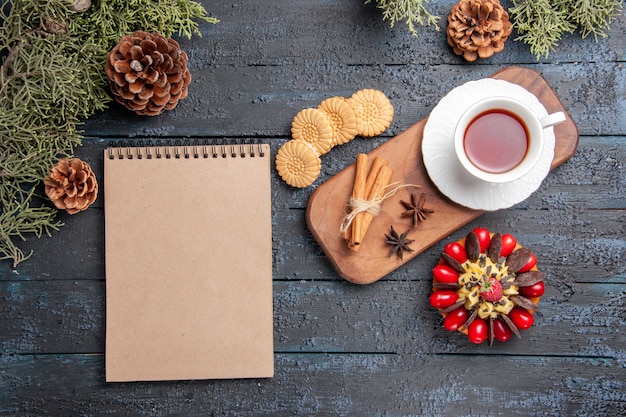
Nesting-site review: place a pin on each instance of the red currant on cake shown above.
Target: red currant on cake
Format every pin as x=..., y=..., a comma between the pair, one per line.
x=487, y=286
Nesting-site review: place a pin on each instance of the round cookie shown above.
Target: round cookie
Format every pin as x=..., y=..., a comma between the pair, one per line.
x=298, y=163
x=342, y=119
x=313, y=126
x=373, y=110
x=487, y=286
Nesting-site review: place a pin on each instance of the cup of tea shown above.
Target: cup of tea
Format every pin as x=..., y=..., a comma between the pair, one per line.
x=501, y=139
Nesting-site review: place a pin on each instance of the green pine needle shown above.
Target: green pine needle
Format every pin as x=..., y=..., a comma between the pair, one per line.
x=594, y=16
x=542, y=23
x=412, y=12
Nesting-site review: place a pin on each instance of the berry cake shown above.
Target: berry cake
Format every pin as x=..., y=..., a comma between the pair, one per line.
x=487, y=286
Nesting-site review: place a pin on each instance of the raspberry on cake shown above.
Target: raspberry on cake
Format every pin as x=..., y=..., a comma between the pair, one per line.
x=487, y=286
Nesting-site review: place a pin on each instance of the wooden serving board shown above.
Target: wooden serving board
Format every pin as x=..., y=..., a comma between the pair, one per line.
x=327, y=205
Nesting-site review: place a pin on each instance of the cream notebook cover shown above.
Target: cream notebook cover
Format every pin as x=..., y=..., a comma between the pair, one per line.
x=188, y=246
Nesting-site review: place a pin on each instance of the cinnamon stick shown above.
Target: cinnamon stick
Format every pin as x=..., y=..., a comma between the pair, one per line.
x=372, y=174
x=356, y=234
x=358, y=190
x=376, y=191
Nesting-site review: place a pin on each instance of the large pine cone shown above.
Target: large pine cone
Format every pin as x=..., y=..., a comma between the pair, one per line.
x=71, y=185
x=478, y=28
x=148, y=73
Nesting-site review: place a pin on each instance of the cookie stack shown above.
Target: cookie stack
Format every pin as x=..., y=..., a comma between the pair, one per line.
x=337, y=120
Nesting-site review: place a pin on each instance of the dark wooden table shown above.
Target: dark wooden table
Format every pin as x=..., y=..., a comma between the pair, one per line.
x=343, y=349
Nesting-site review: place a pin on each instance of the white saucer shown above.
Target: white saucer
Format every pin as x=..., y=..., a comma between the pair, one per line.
x=446, y=171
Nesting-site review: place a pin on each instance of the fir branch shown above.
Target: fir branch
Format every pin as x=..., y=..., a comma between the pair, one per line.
x=110, y=20
x=593, y=17
x=413, y=12
x=51, y=78
x=540, y=25
x=17, y=219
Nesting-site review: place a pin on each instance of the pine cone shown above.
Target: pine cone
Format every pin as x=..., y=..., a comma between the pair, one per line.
x=80, y=6
x=148, y=73
x=478, y=28
x=71, y=185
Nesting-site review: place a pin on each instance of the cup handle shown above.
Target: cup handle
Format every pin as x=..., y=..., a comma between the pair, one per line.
x=552, y=119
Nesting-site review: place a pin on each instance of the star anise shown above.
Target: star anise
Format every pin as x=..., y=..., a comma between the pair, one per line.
x=416, y=209
x=399, y=243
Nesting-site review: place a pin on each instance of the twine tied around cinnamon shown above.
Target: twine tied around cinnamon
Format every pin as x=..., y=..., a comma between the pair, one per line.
x=369, y=206
x=371, y=188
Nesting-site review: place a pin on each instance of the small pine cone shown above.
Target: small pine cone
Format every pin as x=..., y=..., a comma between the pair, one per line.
x=71, y=185
x=80, y=6
x=148, y=73
x=54, y=26
x=478, y=28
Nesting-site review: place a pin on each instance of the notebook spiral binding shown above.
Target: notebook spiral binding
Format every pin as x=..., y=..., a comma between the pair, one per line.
x=177, y=149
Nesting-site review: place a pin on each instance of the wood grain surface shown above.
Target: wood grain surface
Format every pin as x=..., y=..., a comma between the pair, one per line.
x=343, y=349
x=326, y=207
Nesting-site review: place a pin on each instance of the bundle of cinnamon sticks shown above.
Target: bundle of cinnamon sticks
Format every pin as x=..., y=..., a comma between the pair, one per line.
x=367, y=193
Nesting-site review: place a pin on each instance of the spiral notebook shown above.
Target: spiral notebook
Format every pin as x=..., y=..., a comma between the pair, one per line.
x=188, y=247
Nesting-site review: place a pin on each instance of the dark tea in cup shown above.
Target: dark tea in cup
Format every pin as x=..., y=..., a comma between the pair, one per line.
x=501, y=139
x=496, y=141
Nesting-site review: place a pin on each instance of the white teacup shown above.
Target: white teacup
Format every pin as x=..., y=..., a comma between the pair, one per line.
x=500, y=139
